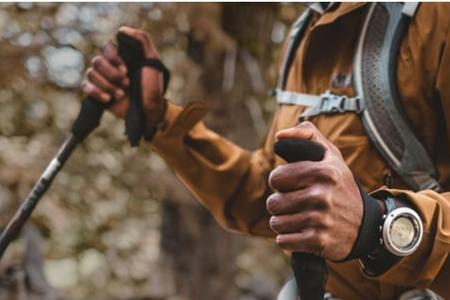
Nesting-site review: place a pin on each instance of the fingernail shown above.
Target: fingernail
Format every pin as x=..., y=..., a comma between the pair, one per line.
x=278, y=239
x=273, y=220
x=106, y=97
x=119, y=94
x=123, y=70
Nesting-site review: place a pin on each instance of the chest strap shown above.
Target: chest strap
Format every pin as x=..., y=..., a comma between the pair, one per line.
x=327, y=103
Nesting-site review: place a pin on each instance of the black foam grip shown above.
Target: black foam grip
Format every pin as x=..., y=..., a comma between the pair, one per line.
x=92, y=110
x=88, y=118
x=292, y=150
x=310, y=271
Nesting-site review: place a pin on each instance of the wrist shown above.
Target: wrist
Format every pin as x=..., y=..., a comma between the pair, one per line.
x=153, y=128
x=369, y=235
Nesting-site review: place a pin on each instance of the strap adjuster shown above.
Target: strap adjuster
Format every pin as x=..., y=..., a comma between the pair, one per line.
x=332, y=104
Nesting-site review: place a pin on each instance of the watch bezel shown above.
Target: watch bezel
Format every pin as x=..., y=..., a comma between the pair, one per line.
x=417, y=223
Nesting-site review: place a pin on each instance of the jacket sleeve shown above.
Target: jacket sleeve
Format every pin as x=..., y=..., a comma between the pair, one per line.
x=429, y=266
x=229, y=181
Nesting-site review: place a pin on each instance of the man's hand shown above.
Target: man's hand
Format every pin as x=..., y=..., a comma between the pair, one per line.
x=317, y=207
x=106, y=80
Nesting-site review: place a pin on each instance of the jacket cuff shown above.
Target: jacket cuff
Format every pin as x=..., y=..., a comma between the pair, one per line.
x=420, y=268
x=176, y=123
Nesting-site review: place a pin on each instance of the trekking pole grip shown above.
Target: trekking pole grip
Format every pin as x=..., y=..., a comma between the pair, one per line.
x=310, y=271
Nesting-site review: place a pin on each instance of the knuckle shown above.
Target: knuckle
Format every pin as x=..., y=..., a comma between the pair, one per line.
x=315, y=193
x=319, y=197
x=115, y=75
x=314, y=219
x=320, y=241
x=328, y=173
x=326, y=222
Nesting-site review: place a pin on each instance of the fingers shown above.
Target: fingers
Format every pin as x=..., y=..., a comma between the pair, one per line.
x=142, y=37
x=293, y=176
x=111, y=53
x=292, y=223
x=305, y=130
x=297, y=201
x=306, y=241
x=103, y=84
x=110, y=72
x=93, y=91
x=106, y=78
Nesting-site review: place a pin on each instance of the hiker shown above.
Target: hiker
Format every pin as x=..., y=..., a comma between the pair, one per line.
x=383, y=229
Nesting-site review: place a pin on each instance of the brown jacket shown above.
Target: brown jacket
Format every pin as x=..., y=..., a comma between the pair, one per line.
x=232, y=182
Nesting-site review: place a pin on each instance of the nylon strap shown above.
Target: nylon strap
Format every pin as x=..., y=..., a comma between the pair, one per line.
x=327, y=103
x=134, y=57
x=384, y=120
x=295, y=37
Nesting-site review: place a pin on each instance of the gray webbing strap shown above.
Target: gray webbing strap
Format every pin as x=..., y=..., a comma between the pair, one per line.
x=327, y=103
x=295, y=36
x=410, y=8
x=375, y=82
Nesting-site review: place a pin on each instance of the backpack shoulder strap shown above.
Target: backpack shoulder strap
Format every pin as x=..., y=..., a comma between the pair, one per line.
x=295, y=36
x=384, y=118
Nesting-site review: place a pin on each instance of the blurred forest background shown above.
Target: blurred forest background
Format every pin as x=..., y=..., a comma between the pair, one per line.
x=117, y=224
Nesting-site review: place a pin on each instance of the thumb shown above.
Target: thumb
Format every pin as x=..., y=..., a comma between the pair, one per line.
x=304, y=131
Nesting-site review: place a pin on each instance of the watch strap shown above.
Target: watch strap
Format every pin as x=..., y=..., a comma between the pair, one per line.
x=380, y=260
x=369, y=234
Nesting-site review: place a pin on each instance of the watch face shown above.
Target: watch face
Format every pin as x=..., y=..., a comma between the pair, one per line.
x=402, y=232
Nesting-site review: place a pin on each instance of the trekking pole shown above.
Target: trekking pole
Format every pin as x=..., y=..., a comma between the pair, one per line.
x=88, y=119
x=310, y=271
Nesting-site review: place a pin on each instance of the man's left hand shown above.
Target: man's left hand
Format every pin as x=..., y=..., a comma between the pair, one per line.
x=317, y=207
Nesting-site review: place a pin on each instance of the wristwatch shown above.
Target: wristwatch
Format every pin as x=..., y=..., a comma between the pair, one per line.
x=400, y=232
x=402, y=229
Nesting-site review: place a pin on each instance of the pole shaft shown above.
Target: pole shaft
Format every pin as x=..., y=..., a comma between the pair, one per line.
x=26, y=208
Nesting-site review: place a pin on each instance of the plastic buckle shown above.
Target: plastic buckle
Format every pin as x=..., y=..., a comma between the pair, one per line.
x=332, y=103
x=359, y=105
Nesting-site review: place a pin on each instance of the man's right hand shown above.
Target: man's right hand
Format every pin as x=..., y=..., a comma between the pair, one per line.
x=106, y=80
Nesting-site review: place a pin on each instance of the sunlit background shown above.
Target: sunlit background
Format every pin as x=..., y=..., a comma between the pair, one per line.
x=117, y=224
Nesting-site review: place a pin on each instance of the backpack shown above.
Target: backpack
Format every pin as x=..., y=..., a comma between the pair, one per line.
x=377, y=101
